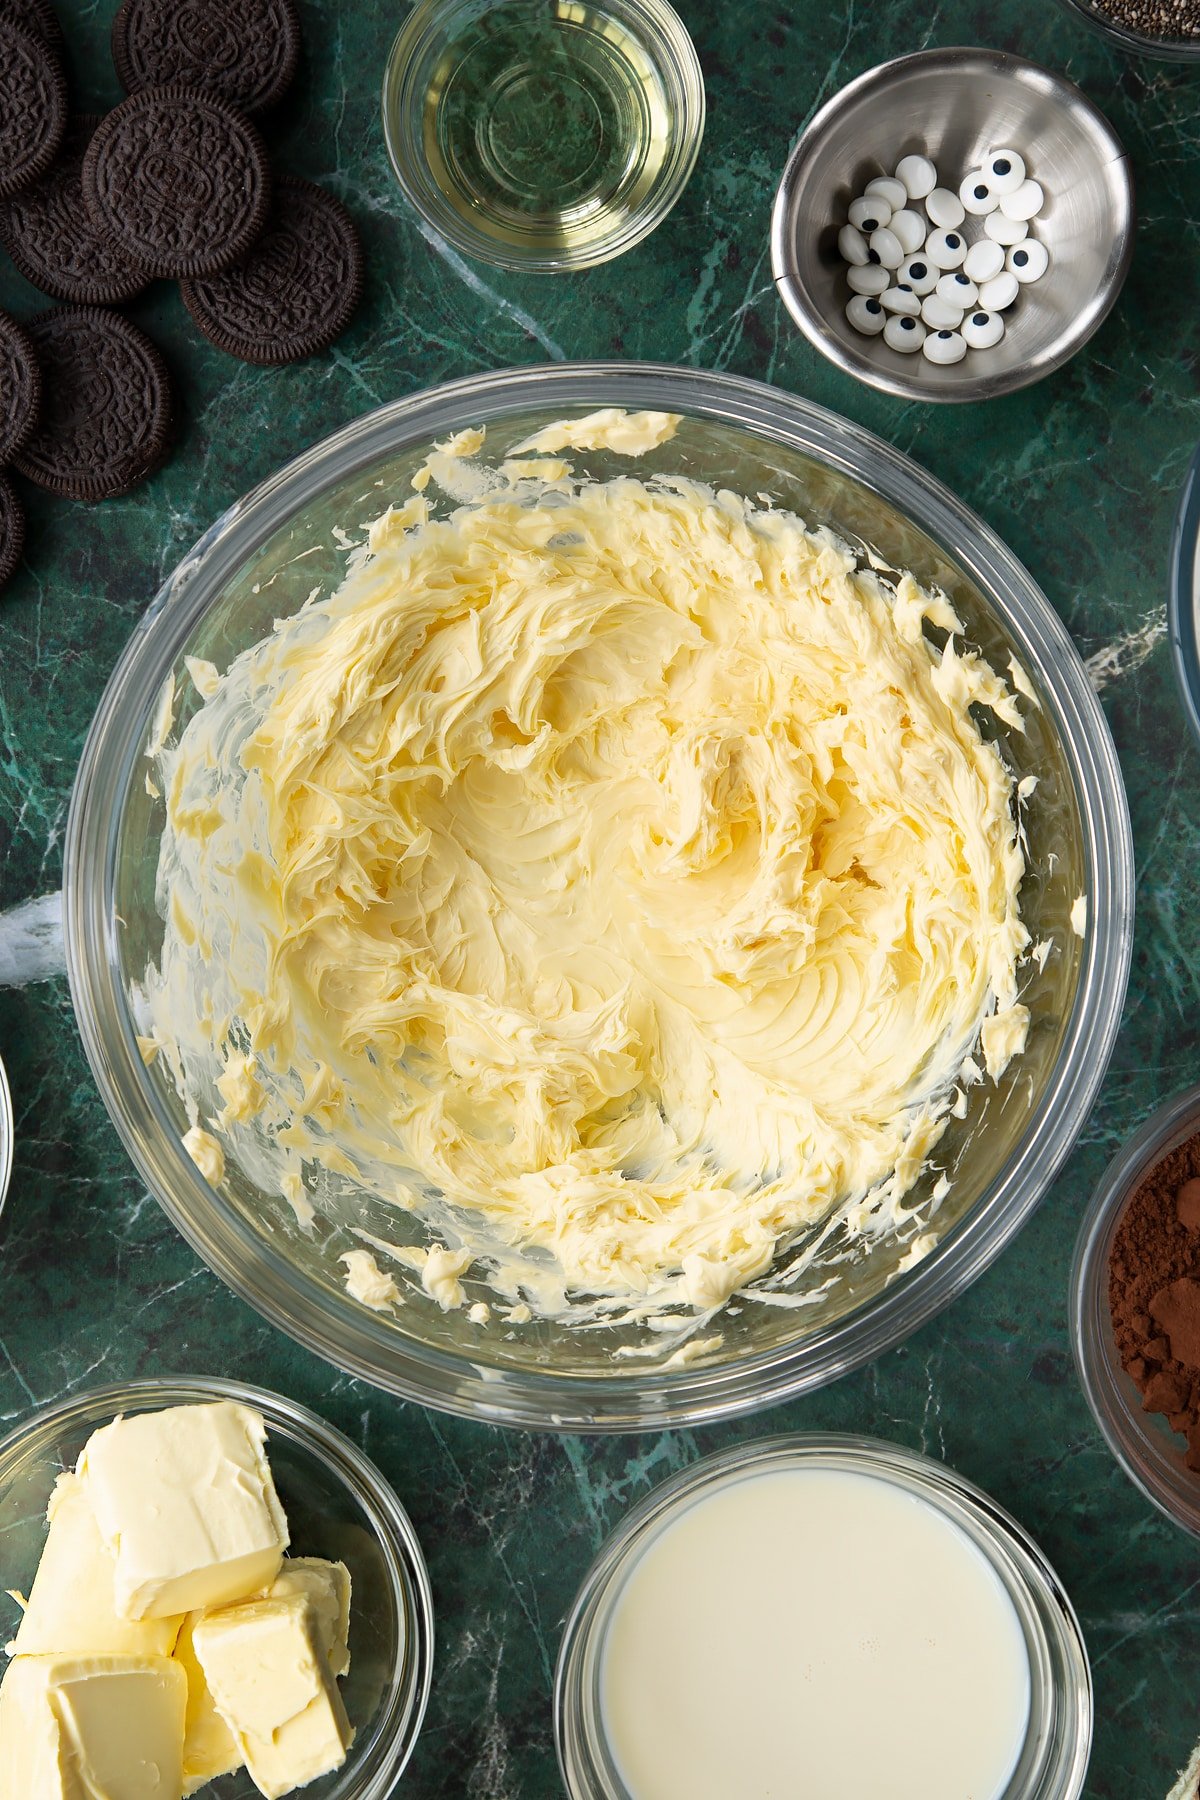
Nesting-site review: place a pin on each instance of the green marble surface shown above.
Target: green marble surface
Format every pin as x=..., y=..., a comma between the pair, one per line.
x=1079, y=474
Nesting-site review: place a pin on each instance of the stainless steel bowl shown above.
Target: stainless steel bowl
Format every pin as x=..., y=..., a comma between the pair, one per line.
x=954, y=106
x=261, y=560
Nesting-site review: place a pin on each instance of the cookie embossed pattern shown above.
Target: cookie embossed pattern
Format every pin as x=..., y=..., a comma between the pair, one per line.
x=179, y=181
x=243, y=51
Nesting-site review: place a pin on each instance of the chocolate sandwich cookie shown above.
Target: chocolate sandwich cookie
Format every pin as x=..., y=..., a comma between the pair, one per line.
x=106, y=410
x=33, y=106
x=244, y=51
x=50, y=236
x=20, y=388
x=12, y=531
x=178, y=181
x=37, y=17
x=296, y=289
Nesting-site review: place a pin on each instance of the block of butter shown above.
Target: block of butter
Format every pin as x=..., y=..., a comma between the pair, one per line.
x=326, y=1587
x=186, y=1504
x=272, y=1683
x=209, y=1747
x=92, y=1728
x=72, y=1607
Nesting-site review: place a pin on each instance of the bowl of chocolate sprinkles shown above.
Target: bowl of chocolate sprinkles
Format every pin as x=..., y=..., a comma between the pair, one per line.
x=1167, y=29
x=1135, y=1308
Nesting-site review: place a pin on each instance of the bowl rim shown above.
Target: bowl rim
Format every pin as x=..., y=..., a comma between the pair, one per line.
x=673, y=48
x=1145, y=1453
x=1009, y=1546
x=7, y=1133
x=358, y=1474
x=364, y=1346
x=812, y=322
x=1183, y=595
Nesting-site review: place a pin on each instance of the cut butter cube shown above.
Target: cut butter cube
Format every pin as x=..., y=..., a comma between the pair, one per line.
x=272, y=1683
x=92, y=1728
x=209, y=1747
x=185, y=1502
x=326, y=1587
x=72, y=1608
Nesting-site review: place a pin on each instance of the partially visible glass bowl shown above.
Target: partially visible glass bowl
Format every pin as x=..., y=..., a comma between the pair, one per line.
x=1149, y=1452
x=6, y=1136
x=1183, y=595
x=264, y=557
x=338, y=1506
x=1134, y=43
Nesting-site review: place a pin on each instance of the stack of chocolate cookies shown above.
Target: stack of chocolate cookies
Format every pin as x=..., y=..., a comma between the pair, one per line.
x=175, y=183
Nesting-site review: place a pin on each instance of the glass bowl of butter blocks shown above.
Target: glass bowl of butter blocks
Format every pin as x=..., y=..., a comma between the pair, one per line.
x=334, y=1643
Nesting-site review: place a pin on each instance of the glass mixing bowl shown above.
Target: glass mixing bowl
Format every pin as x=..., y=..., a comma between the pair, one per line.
x=264, y=557
x=338, y=1506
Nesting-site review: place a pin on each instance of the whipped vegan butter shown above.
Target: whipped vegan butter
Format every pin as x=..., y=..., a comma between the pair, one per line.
x=612, y=874
x=166, y=1639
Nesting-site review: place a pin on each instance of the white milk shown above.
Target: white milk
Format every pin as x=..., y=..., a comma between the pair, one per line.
x=810, y=1634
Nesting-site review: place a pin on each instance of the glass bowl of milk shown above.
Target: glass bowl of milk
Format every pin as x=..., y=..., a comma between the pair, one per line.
x=829, y=1615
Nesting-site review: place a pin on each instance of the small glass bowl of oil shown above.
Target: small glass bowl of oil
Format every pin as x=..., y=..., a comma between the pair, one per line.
x=543, y=134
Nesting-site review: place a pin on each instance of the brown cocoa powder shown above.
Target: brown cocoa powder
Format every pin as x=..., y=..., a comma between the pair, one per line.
x=1154, y=1291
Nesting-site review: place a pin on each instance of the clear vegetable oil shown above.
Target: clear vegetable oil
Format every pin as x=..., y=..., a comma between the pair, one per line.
x=546, y=123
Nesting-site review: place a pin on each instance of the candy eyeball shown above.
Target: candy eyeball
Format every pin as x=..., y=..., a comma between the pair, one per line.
x=947, y=249
x=984, y=259
x=1025, y=202
x=904, y=333
x=918, y=273
x=945, y=209
x=866, y=315
x=940, y=315
x=918, y=175
x=1003, y=230
x=894, y=192
x=901, y=300
x=944, y=347
x=957, y=289
x=853, y=246
x=885, y=247
x=1028, y=261
x=909, y=227
x=872, y=278
x=1004, y=171
x=982, y=330
x=999, y=292
x=976, y=196
x=870, y=214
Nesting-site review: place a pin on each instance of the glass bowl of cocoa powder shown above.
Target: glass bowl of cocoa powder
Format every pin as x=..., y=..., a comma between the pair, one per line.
x=1135, y=1308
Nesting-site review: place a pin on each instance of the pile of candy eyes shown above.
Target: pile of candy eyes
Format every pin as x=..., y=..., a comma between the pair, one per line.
x=918, y=279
